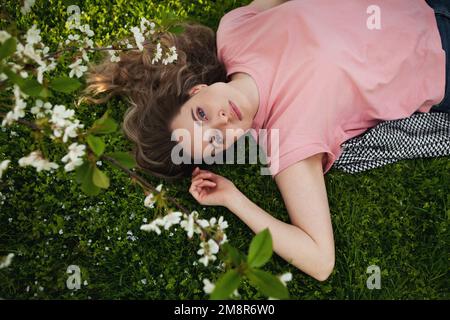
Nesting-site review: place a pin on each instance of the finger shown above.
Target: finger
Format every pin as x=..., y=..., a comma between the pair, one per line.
x=196, y=171
x=200, y=184
x=206, y=183
x=195, y=183
x=203, y=175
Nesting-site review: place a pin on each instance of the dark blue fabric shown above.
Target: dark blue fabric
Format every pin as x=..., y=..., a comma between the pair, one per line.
x=442, y=12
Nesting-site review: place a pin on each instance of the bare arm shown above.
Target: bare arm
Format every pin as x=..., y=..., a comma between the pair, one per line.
x=308, y=242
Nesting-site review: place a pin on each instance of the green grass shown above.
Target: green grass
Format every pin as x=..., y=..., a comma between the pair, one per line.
x=396, y=217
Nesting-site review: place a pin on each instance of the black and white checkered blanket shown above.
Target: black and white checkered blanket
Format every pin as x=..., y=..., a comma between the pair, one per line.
x=421, y=135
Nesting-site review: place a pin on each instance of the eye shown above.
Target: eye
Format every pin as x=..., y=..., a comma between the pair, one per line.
x=201, y=113
x=211, y=141
x=217, y=140
x=215, y=144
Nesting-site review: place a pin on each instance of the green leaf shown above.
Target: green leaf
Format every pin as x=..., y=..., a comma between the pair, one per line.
x=104, y=125
x=8, y=48
x=96, y=144
x=124, y=158
x=32, y=87
x=87, y=184
x=65, y=84
x=232, y=254
x=260, y=249
x=81, y=172
x=45, y=93
x=100, y=179
x=14, y=77
x=226, y=284
x=267, y=284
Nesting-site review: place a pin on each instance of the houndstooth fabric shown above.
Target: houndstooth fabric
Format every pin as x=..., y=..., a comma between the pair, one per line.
x=421, y=135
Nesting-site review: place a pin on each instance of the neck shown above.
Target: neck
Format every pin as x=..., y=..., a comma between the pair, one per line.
x=245, y=84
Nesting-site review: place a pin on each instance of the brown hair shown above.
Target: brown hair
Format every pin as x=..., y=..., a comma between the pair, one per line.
x=156, y=92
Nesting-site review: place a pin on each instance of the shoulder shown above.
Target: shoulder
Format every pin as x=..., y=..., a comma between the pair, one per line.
x=265, y=4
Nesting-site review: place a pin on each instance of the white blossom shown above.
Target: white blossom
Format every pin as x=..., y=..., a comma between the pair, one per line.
x=3, y=166
x=171, y=219
x=4, y=36
x=84, y=55
x=114, y=56
x=154, y=226
x=138, y=37
x=19, y=108
x=41, y=108
x=205, y=260
x=63, y=126
x=224, y=239
x=6, y=261
x=171, y=56
x=27, y=4
x=159, y=187
x=144, y=23
x=77, y=69
x=36, y=160
x=33, y=35
x=188, y=224
x=158, y=53
x=60, y=114
x=149, y=201
x=285, y=277
x=71, y=130
x=208, y=286
x=208, y=249
x=222, y=223
x=203, y=223
x=86, y=29
x=73, y=158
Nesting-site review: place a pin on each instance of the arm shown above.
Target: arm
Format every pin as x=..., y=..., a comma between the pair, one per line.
x=308, y=243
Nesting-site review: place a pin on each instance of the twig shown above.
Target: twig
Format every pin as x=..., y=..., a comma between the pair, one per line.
x=130, y=173
x=92, y=49
x=24, y=122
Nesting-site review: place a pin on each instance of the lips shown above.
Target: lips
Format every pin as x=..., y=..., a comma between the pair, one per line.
x=235, y=110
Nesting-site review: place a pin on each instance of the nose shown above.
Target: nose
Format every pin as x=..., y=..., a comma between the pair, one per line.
x=223, y=118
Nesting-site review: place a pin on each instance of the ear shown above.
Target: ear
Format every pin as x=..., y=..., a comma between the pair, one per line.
x=196, y=89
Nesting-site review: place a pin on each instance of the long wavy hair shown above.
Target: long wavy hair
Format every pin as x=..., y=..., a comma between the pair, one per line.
x=156, y=92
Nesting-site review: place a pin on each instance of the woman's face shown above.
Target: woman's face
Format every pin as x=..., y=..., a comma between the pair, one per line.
x=210, y=120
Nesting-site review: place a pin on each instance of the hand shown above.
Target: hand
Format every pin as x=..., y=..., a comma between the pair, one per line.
x=211, y=189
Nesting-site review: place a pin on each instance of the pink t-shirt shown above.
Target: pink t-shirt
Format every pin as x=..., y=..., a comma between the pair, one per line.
x=324, y=76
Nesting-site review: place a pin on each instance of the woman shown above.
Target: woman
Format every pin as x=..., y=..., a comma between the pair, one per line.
x=277, y=63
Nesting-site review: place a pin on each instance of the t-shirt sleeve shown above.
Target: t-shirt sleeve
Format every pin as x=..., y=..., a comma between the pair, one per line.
x=288, y=154
x=228, y=33
x=304, y=152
